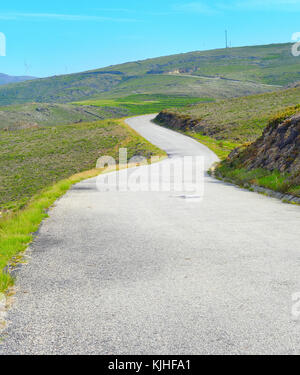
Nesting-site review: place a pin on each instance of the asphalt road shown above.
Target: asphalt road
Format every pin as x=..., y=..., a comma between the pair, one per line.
x=160, y=272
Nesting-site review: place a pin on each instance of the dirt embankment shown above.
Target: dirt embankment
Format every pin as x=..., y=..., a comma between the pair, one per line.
x=179, y=121
x=278, y=148
x=176, y=121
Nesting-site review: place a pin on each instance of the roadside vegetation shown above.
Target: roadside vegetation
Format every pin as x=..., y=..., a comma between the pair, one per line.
x=273, y=180
x=226, y=125
x=32, y=159
x=35, y=170
x=17, y=228
x=220, y=147
x=258, y=163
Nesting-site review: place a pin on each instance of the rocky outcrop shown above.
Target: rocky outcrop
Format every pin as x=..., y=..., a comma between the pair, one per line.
x=176, y=121
x=277, y=149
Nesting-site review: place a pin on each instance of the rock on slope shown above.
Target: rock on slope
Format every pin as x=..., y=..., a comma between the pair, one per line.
x=176, y=121
x=278, y=147
x=271, y=164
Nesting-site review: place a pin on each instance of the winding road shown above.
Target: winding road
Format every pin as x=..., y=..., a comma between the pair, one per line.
x=158, y=273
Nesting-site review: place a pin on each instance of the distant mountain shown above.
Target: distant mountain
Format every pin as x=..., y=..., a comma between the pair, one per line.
x=219, y=73
x=6, y=79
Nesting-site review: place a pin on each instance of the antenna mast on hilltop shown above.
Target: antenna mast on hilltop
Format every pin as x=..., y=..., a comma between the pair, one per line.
x=226, y=39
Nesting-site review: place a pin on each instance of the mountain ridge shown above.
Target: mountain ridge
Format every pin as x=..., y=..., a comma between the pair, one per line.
x=216, y=73
x=8, y=79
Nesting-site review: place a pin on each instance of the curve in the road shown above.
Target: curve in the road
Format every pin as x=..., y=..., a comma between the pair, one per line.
x=147, y=273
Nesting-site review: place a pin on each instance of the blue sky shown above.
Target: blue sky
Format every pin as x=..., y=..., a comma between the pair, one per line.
x=63, y=36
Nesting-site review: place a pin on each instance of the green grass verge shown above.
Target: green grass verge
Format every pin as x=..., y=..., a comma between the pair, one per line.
x=220, y=147
x=16, y=229
x=236, y=168
x=273, y=180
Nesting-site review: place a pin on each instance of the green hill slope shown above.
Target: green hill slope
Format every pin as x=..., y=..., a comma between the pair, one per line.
x=272, y=161
x=216, y=73
x=23, y=116
x=60, y=89
x=186, y=85
x=33, y=115
x=269, y=64
x=225, y=124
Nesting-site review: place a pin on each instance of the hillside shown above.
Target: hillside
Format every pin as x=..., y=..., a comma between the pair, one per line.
x=237, y=120
x=277, y=148
x=217, y=73
x=6, y=79
x=30, y=115
x=269, y=64
x=37, y=166
x=33, y=159
x=273, y=160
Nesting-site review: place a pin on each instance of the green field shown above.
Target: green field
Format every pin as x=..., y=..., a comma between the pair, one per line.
x=32, y=115
x=220, y=73
x=145, y=103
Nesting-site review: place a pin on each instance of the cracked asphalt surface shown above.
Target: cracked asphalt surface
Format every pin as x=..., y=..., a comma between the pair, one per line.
x=152, y=273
